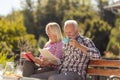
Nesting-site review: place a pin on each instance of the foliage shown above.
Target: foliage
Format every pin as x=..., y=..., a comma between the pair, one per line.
x=30, y=21
x=108, y=54
x=114, y=43
x=60, y=10
x=99, y=32
x=98, y=24
x=4, y=58
x=11, y=31
x=4, y=52
x=41, y=42
x=25, y=45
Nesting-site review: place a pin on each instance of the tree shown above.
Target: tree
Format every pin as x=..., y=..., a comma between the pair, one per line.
x=11, y=30
x=99, y=32
x=28, y=9
x=92, y=24
x=106, y=15
x=114, y=43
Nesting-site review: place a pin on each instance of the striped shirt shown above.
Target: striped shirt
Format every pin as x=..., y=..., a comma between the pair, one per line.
x=73, y=59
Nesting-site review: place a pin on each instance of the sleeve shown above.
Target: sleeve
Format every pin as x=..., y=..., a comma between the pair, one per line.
x=92, y=51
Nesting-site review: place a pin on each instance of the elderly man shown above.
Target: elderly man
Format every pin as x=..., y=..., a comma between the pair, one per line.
x=77, y=52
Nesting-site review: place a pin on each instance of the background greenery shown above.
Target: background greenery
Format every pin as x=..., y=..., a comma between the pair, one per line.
x=95, y=22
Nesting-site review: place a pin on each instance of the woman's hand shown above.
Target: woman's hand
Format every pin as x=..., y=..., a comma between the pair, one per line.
x=52, y=64
x=46, y=62
x=28, y=56
x=22, y=55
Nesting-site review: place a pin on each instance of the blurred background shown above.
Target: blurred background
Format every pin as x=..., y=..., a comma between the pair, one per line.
x=22, y=24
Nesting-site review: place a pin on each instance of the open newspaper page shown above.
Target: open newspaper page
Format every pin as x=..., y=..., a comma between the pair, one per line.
x=47, y=54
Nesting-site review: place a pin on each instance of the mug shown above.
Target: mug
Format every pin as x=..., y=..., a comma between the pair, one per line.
x=66, y=40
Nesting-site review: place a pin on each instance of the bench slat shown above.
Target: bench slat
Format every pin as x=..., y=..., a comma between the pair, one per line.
x=103, y=72
x=105, y=63
x=104, y=67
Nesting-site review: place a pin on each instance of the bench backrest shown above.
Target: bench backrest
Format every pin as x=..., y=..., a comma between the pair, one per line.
x=104, y=67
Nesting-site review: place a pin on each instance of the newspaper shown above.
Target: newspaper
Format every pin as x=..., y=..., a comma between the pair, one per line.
x=47, y=54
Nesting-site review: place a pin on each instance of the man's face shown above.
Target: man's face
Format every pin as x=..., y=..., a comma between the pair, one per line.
x=70, y=31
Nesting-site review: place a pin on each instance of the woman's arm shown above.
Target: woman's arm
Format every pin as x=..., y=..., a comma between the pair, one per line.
x=41, y=61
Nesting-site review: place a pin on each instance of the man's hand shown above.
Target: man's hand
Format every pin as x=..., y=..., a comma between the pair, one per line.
x=74, y=43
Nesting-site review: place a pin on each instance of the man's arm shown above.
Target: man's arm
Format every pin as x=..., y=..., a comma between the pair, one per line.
x=92, y=51
x=88, y=49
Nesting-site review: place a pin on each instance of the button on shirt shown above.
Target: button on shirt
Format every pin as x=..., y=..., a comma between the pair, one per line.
x=73, y=59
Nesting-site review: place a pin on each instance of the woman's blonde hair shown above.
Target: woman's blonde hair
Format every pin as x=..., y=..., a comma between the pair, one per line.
x=54, y=29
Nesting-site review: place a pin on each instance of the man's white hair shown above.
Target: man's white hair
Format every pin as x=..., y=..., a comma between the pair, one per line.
x=73, y=22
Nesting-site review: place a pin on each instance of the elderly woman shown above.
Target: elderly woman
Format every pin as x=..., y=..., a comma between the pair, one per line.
x=54, y=45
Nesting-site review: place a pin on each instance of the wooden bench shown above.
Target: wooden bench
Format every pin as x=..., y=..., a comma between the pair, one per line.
x=104, y=68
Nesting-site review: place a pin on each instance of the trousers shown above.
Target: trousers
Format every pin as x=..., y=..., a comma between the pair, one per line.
x=30, y=68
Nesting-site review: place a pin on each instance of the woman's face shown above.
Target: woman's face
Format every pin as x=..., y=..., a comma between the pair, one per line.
x=51, y=36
